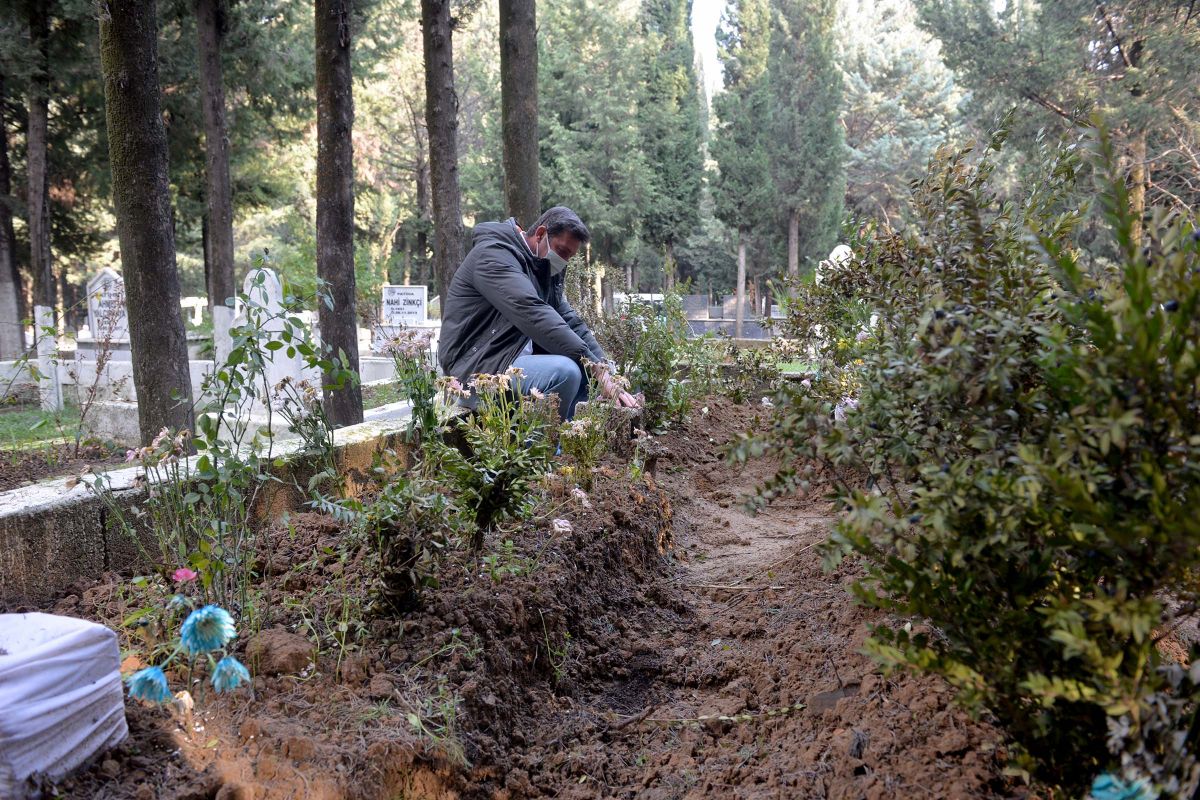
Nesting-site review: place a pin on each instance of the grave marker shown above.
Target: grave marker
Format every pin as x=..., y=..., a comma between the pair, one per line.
x=107, y=314
x=403, y=305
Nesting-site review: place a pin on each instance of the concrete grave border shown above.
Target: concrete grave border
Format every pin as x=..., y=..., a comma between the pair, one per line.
x=52, y=535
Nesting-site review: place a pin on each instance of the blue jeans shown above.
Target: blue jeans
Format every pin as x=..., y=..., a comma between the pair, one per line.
x=557, y=374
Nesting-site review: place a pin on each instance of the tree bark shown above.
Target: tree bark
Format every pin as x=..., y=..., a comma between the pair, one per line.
x=12, y=312
x=793, y=265
x=41, y=264
x=210, y=28
x=1137, y=186
x=441, y=118
x=519, y=108
x=335, y=205
x=137, y=145
x=740, y=311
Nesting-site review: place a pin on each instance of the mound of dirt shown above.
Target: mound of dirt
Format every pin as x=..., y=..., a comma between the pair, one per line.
x=668, y=645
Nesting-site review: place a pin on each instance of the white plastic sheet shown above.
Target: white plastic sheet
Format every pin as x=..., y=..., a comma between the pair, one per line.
x=61, y=699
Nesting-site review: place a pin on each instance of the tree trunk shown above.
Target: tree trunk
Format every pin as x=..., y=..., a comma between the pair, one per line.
x=740, y=311
x=12, y=312
x=137, y=145
x=335, y=205
x=1137, y=186
x=41, y=264
x=519, y=109
x=669, y=265
x=210, y=25
x=441, y=118
x=793, y=265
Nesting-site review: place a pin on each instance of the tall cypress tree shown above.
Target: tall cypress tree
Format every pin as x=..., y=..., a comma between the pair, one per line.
x=669, y=119
x=743, y=187
x=806, y=144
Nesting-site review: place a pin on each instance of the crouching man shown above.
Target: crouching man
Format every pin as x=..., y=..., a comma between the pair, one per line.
x=506, y=308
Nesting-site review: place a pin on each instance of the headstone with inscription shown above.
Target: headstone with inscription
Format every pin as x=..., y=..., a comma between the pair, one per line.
x=403, y=305
x=108, y=319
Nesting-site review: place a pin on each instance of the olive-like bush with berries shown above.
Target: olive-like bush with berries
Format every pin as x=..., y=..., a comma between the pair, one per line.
x=1021, y=468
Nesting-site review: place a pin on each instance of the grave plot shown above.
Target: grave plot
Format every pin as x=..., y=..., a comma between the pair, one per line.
x=647, y=638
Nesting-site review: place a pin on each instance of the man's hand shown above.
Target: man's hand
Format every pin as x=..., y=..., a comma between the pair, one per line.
x=615, y=388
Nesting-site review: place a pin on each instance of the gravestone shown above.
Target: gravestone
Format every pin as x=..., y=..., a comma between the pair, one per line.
x=403, y=305
x=695, y=306
x=107, y=315
x=401, y=308
x=265, y=292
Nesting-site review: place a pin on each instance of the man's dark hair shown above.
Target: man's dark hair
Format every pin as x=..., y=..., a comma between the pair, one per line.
x=561, y=219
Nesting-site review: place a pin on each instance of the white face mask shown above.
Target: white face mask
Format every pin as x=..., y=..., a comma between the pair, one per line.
x=557, y=262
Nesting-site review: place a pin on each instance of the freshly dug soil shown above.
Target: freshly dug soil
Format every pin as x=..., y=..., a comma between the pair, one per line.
x=22, y=467
x=668, y=646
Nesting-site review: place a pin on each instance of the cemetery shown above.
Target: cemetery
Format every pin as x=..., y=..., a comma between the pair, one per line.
x=671, y=400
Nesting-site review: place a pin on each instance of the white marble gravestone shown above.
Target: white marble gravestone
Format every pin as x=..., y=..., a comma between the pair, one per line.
x=264, y=289
x=403, y=306
x=108, y=319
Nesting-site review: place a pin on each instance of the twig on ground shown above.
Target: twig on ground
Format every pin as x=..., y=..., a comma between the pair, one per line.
x=636, y=718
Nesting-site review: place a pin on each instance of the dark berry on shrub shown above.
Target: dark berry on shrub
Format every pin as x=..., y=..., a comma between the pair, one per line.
x=914, y=519
x=1171, y=306
x=939, y=314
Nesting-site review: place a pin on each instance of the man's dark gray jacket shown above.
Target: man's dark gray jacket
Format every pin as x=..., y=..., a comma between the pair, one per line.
x=501, y=296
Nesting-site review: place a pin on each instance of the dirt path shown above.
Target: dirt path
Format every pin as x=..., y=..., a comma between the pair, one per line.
x=757, y=689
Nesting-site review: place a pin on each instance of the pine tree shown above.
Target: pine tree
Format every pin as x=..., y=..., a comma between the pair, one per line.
x=806, y=145
x=141, y=199
x=899, y=103
x=669, y=121
x=1134, y=60
x=335, y=204
x=519, y=108
x=743, y=189
x=591, y=155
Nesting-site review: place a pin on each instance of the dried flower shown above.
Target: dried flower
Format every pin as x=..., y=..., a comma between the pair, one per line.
x=149, y=684
x=536, y=393
x=580, y=496
x=560, y=526
x=206, y=629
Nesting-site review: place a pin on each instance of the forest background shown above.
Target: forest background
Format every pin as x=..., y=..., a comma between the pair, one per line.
x=820, y=115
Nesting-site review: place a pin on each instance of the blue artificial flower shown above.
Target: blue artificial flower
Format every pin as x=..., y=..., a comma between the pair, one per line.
x=229, y=674
x=206, y=629
x=149, y=684
x=1110, y=787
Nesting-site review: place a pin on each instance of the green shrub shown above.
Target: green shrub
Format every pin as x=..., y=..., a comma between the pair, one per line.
x=649, y=342
x=1030, y=424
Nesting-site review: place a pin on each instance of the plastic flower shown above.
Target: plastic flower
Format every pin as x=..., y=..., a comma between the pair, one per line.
x=229, y=674
x=184, y=575
x=149, y=684
x=1110, y=787
x=205, y=629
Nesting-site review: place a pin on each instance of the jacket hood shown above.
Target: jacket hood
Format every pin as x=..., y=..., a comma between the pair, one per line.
x=502, y=233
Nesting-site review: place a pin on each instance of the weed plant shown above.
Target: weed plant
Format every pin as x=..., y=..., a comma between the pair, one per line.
x=197, y=508
x=1031, y=424
x=508, y=446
